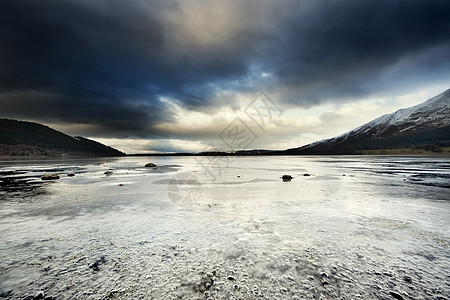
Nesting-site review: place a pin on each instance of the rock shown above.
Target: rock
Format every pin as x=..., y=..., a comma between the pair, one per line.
x=306, y=174
x=39, y=295
x=324, y=278
x=150, y=165
x=238, y=176
x=50, y=177
x=97, y=263
x=121, y=184
x=407, y=279
x=396, y=295
x=231, y=278
x=113, y=294
x=286, y=177
x=70, y=174
x=108, y=173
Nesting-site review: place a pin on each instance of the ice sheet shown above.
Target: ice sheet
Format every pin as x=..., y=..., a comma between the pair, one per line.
x=356, y=227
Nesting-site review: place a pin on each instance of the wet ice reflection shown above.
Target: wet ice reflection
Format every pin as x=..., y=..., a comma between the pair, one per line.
x=355, y=227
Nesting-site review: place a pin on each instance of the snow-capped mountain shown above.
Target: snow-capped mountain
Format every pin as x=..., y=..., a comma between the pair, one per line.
x=427, y=123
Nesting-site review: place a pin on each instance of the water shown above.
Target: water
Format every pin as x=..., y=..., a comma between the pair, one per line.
x=356, y=227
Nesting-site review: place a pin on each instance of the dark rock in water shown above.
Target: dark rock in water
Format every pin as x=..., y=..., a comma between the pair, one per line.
x=50, y=177
x=231, y=278
x=70, y=175
x=238, y=176
x=396, y=295
x=306, y=174
x=108, y=173
x=286, y=177
x=121, y=184
x=150, y=165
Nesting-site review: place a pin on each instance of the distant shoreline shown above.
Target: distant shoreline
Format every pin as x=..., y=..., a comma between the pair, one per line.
x=377, y=152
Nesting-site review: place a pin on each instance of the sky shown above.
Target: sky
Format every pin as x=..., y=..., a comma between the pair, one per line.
x=172, y=76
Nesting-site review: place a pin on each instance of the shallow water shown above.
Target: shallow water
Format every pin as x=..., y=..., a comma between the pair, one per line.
x=217, y=227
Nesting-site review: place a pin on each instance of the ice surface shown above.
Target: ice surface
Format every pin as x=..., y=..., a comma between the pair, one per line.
x=357, y=227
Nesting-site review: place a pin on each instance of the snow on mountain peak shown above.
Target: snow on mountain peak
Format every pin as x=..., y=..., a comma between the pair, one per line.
x=433, y=112
x=433, y=106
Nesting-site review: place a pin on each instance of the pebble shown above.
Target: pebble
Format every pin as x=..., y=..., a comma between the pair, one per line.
x=396, y=295
x=39, y=295
x=50, y=177
x=324, y=282
x=290, y=278
x=286, y=177
x=107, y=173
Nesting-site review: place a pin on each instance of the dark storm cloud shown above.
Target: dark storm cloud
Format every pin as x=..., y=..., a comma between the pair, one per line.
x=341, y=48
x=108, y=63
x=76, y=62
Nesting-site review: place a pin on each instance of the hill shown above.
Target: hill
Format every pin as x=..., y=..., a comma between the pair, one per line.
x=424, y=126
x=22, y=138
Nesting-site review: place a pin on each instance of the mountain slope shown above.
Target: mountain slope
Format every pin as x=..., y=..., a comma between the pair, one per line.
x=424, y=125
x=27, y=138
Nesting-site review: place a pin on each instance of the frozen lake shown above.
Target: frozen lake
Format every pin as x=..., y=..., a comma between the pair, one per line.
x=345, y=227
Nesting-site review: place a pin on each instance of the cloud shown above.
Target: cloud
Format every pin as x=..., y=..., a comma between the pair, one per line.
x=342, y=49
x=106, y=66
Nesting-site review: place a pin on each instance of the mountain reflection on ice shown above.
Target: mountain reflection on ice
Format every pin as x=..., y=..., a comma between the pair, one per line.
x=344, y=227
